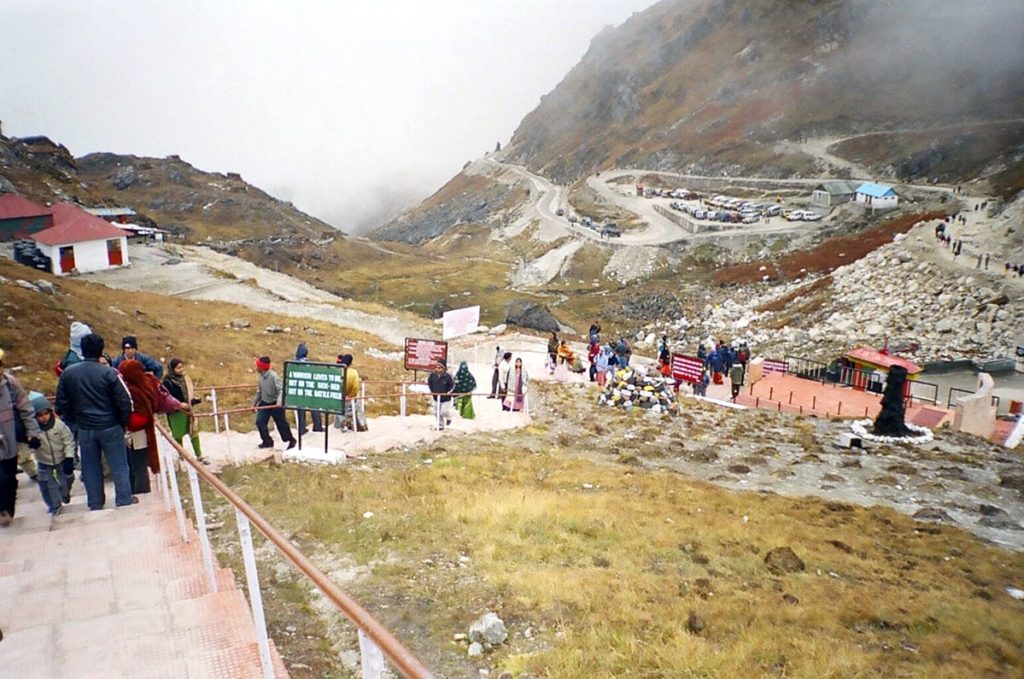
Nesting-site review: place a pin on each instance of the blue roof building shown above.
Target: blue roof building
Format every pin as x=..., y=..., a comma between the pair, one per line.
x=877, y=196
x=876, y=190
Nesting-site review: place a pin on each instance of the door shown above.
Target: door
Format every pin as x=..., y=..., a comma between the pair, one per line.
x=67, y=258
x=114, y=252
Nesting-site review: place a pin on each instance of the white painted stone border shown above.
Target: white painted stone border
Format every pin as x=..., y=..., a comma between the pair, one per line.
x=860, y=428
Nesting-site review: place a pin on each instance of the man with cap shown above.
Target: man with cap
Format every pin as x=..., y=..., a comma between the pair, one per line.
x=130, y=350
x=441, y=385
x=270, y=392
x=93, y=400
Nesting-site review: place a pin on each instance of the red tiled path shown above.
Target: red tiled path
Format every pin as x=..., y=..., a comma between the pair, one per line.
x=116, y=594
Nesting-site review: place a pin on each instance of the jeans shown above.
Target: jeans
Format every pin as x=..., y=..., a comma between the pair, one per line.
x=446, y=412
x=317, y=421
x=280, y=421
x=52, y=485
x=109, y=442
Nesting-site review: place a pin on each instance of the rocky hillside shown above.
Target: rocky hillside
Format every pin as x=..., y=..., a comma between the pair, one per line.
x=714, y=85
x=196, y=204
x=42, y=171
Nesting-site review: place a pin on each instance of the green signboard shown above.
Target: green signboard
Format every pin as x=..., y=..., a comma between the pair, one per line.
x=314, y=386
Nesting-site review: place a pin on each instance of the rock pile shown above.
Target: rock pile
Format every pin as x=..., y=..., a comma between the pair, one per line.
x=634, y=388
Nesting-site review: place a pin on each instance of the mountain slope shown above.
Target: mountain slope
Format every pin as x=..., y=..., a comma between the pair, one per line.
x=711, y=85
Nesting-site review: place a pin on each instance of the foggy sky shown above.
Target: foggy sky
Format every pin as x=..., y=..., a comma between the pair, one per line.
x=349, y=110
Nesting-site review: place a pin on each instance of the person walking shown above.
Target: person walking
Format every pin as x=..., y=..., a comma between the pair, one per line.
x=496, y=375
x=143, y=454
x=355, y=407
x=269, y=397
x=465, y=383
x=441, y=386
x=736, y=379
x=553, y=345
x=601, y=364
x=130, y=351
x=183, y=422
x=515, y=399
x=17, y=425
x=55, y=456
x=302, y=356
x=93, y=398
x=504, y=368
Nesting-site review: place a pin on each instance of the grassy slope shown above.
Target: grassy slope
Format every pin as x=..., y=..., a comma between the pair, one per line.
x=605, y=560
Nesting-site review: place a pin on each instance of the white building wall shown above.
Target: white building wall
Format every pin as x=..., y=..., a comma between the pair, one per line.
x=89, y=255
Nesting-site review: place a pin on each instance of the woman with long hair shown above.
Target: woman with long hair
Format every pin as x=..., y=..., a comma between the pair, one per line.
x=465, y=383
x=181, y=422
x=515, y=398
x=141, y=430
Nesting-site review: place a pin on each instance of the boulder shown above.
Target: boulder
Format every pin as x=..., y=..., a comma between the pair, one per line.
x=527, y=314
x=440, y=306
x=46, y=286
x=783, y=560
x=240, y=323
x=498, y=329
x=489, y=629
x=124, y=178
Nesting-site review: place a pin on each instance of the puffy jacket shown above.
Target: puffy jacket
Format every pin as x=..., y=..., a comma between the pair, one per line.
x=92, y=396
x=150, y=364
x=14, y=397
x=441, y=384
x=56, y=444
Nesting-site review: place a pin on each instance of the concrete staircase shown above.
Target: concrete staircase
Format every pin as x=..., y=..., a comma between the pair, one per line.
x=116, y=593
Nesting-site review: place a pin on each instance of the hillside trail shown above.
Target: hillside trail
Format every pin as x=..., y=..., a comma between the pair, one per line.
x=205, y=274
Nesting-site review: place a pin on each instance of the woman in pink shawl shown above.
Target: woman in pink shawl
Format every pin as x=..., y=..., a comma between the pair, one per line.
x=516, y=388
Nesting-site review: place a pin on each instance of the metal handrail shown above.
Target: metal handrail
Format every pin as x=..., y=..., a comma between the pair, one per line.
x=401, y=657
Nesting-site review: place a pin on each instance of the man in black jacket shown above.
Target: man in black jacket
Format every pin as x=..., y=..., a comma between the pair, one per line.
x=92, y=397
x=441, y=385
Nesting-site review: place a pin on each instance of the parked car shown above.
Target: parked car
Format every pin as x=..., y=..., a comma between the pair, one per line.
x=811, y=216
x=700, y=214
x=774, y=211
x=560, y=212
x=611, y=229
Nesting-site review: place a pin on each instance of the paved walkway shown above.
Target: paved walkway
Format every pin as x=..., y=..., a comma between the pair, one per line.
x=116, y=594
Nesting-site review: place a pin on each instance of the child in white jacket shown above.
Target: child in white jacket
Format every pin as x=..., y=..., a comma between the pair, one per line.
x=55, y=455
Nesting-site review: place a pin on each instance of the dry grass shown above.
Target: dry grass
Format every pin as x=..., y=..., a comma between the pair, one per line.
x=605, y=562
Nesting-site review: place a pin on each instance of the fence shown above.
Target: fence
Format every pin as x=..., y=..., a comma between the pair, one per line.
x=859, y=378
x=375, y=642
x=956, y=392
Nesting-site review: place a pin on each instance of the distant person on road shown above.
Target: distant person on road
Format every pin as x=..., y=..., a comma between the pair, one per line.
x=515, y=399
x=17, y=425
x=355, y=408
x=552, y=352
x=94, y=399
x=595, y=332
x=736, y=380
x=496, y=375
x=441, y=386
x=302, y=355
x=183, y=422
x=601, y=364
x=593, y=351
x=566, y=357
x=270, y=392
x=130, y=350
x=465, y=383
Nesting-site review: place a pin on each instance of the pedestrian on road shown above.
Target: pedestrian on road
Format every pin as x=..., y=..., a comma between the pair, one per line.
x=183, y=422
x=441, y=386
x=142, y=450
x=986, y=261
x=355, y=408
x=270, y=392
x=552, y=351
x=736, y=380
x=55, y=457
x=17, y=425
x=465, y=383
x=496, y=375
x=302, y=356
x=93, y=398
x=130, y=351
x=515, y=399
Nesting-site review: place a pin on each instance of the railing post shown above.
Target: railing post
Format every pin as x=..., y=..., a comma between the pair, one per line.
x=204, y=539
x=252, y=579
x=165, y=489
x=173, y=478
x=216, y=422
x=401, y=404
x=370, y=658
x=227, y=423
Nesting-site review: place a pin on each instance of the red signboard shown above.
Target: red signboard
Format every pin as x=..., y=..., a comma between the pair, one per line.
x=423, y=354
x=687, y=368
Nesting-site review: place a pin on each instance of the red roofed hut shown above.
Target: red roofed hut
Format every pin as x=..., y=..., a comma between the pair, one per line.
x=81, y=242
x=871, y=367
x=20, y=217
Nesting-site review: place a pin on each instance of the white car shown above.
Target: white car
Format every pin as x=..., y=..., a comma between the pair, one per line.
x=811, y=216
x=700, y=214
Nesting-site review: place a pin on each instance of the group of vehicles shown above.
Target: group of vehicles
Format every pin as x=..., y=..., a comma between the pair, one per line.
x=26, y=252
x=609, y=230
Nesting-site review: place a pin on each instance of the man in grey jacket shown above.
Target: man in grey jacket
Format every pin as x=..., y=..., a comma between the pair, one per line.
x=270, y=392
x=15, y=409
x=92, y=398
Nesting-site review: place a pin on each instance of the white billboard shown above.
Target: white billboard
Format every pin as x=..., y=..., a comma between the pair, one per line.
x=458, y=322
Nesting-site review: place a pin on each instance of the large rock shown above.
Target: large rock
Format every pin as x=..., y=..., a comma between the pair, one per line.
x=528, y=314
x=488, y=629
x=124, y=178
x=783, y=560
x=439, y=308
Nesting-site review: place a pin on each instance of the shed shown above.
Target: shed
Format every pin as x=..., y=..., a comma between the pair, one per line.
x=834, y=192
x=20, y=217
x=122, y=215
x=877, y=196
x=79, y=241
x=870, y=365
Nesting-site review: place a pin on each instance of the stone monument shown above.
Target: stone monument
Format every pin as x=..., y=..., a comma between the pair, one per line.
x=890, y=422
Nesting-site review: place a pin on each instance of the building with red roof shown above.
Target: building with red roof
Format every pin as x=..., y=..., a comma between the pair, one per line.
x=20, y=217
x=81, y=242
